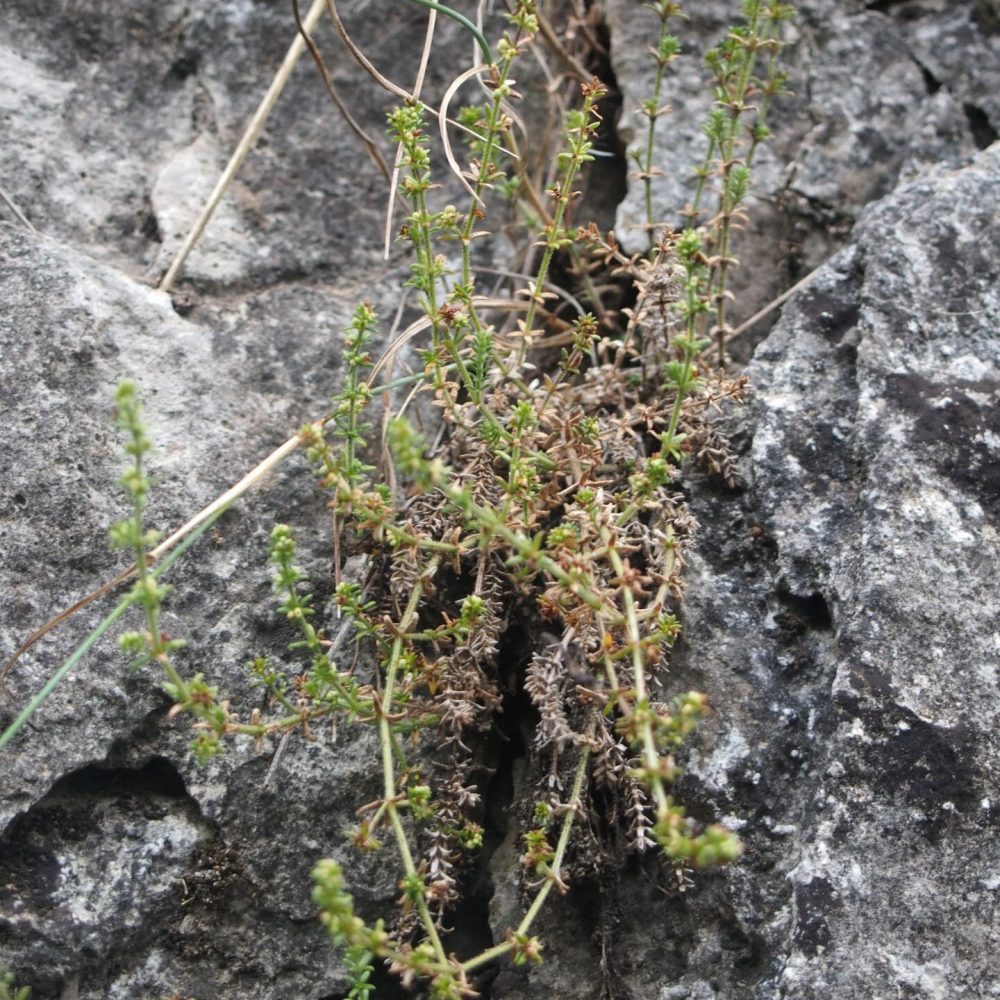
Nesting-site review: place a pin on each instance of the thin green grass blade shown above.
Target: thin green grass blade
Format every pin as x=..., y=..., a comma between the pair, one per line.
x=78, y=654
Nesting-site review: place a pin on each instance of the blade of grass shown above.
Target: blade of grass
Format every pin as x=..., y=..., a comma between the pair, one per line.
x=53, y=682
x=383, y=81
x=465, y=22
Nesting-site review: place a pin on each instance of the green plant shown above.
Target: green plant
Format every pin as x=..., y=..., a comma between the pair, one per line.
x=550, y=505
x=8, y=991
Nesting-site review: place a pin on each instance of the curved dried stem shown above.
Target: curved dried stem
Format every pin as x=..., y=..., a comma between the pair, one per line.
x=373, y=151
x=443, y=124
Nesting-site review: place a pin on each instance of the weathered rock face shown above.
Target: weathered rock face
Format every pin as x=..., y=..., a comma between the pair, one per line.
x=841, y=611
x=861, y=625
x=84, y=791
x=126, y=870
x=119, y=122
x=879, y=92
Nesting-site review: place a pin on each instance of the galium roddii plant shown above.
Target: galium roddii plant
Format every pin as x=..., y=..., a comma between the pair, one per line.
x=8, y=989
x=550, y=504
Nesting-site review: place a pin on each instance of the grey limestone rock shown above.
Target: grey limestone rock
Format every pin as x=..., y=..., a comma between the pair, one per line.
x=865, y=634
x=878, y=92
x=69, y=329
x=841, y=612
x=128, y=871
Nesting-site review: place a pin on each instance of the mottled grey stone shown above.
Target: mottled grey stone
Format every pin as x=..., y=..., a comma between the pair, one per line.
x=878, y=93
x=118, y=122
x=69, y=329
x=842, y=614
x=116, y=125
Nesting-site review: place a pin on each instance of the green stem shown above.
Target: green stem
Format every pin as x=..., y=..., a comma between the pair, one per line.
x=494, y=525
x=487, y=956
x=699, y=191
x=647, y=167
x=675, y=413
x=563, y=842
x=728, y=203
x=650, y=754
x=388, y=769
x=491, y=141
x=579, y=147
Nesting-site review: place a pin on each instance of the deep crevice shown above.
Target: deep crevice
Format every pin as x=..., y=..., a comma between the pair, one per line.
x=811, y=611
x=473, y=931
x=931, y=82
x=607, y=176
x=884, y=6
x=605, y=186
x=983, y=132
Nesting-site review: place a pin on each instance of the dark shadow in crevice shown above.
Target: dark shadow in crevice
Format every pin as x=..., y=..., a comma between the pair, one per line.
x=157, y=777
x=472, y=932
x=983, y=132
x=812, y=610
x=931, y=82
x=606, y=178
x=884, y=6
x=67, y=820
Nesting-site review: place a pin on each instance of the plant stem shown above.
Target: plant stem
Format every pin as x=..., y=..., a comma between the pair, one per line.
x=581, y=126
x=572, y=808
x=650, y=753
x=388, y=769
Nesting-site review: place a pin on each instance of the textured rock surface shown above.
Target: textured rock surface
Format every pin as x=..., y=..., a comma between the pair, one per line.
x=861, y=118
x=116, y=125
x=69, y=329
x=862, y=624
x=841, y=612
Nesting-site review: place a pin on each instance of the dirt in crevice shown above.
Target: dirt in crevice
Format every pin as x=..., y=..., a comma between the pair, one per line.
x=472, y=931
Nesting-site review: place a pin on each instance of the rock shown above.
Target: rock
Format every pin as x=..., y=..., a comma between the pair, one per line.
x=115, y=126
x=841, y=614
x=877, y=414
x=69, y=328
x=860, y=117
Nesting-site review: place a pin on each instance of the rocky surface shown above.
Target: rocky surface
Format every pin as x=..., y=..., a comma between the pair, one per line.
x=859, y=119
x=69, y=329
x=841, y=613
x=126, y=870
x=861, y=623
